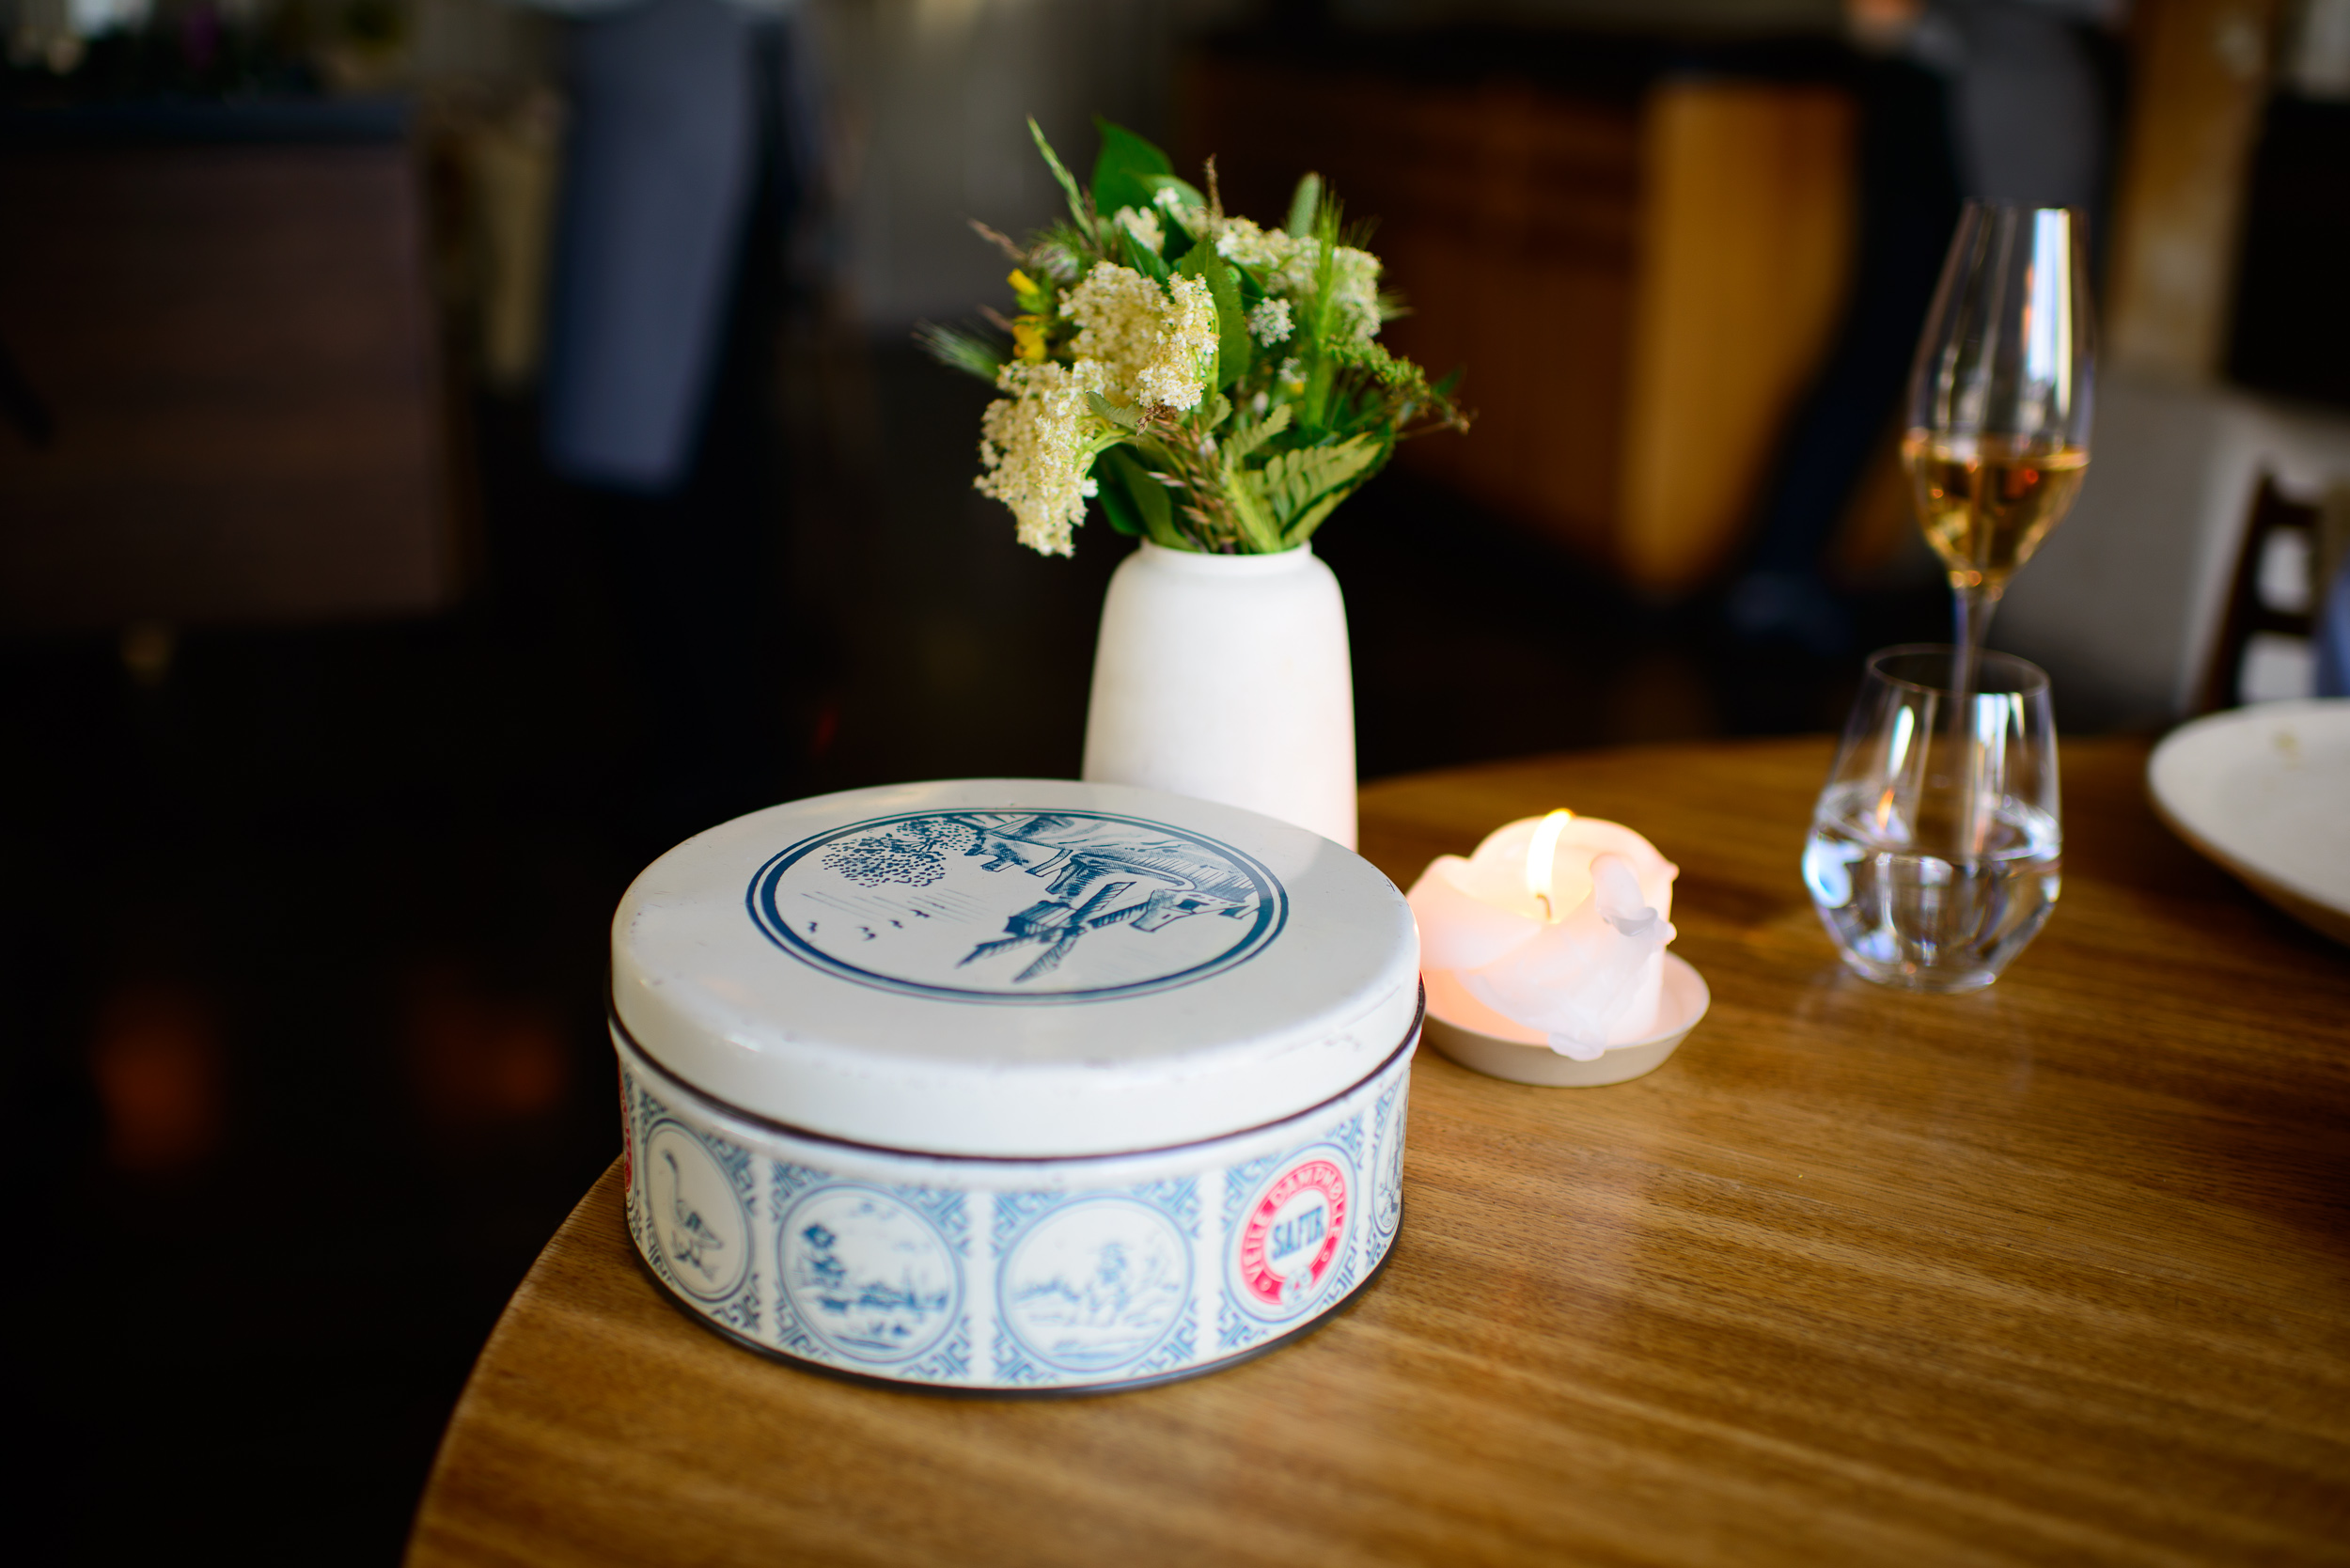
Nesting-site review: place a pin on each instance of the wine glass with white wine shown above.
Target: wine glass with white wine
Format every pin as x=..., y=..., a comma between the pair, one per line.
x=1997, y=439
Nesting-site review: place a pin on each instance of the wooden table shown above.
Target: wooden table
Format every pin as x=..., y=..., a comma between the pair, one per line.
x=2057, y=1272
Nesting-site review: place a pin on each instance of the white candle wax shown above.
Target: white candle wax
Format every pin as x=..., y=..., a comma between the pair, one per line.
x=1579, y=968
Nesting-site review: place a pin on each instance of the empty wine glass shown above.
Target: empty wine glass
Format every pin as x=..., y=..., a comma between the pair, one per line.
x=1997, y=438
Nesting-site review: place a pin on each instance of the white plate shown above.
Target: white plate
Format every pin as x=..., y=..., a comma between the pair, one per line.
x=2264, y=791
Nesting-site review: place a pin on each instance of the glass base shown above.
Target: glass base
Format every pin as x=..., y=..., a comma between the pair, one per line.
x=1904, y=976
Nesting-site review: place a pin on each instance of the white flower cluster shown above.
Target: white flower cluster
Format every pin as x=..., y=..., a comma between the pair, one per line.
x=1139, y=343
x=1289, y=263
x=1153, y=343
x=1032, y=454
x=1269, y=324
x=1356, y=291
x=1144, y=226
x=1241, y=242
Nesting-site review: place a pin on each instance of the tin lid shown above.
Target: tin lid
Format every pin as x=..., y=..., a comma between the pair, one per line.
x=1019, y=967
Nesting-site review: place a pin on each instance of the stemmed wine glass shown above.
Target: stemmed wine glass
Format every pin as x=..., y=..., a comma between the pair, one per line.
x=1997, y=438
x=1936, y=847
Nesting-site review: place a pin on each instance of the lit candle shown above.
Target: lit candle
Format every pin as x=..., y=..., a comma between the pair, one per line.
x=1552, y=933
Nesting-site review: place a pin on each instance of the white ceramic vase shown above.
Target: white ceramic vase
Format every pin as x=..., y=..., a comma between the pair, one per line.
x=1228, y=677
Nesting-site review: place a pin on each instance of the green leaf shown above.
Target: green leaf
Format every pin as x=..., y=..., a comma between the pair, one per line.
x=1155, y=513
x=1125, y=418
x=1303, y=205
x=1315, y=321
x=1095, y=445
x=1121, y=167
x=1067, y=182
x=1116, y=504
x=1154, y=184
x=1235, y=349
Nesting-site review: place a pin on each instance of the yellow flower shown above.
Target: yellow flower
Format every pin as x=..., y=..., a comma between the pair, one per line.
x=1027, y=339
x=1035, y=298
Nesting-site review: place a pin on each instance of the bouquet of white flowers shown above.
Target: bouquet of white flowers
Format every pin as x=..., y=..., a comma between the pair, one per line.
x=1216, y=386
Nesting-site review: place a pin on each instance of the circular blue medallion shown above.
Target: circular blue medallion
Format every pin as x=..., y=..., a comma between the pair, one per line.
x=1095, y=1285
x=699, y=1225
x=871, y=1278
x=1017, y=906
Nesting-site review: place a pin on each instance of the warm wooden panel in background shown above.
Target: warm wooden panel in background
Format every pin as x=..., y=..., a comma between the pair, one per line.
x=239, y=351
x=1638, y=283
x=1745, y=237
x=2200, y=74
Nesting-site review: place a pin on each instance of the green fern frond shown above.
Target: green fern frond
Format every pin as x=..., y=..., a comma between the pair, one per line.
x=1294, y=480
x=1245, y=493
x=1244, y=444
x=1303, y=529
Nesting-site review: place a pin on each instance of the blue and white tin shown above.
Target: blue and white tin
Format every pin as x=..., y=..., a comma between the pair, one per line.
x=1014, y=1086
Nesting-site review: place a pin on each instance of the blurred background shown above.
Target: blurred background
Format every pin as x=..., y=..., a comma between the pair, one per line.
x=450, y=450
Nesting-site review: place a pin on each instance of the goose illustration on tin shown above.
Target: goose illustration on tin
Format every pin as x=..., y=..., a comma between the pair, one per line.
x=690, y=1235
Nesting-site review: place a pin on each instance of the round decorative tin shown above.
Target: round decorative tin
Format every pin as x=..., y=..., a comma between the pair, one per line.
x=1014, y=1085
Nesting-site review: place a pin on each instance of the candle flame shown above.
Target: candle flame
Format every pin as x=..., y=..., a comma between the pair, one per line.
x=1540, y=852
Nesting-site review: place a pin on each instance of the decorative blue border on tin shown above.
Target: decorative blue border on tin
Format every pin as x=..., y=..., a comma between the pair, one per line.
x=1349, y=1137
x=1386, y=1181
x=1272, y=916
x=1234, y=1329
x=1243, y=1179
x=1210, y=1327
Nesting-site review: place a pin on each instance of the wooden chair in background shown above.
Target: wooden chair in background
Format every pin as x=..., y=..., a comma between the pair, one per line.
x=2251, y=609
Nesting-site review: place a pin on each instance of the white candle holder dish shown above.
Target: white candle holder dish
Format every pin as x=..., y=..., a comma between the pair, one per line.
x=1524, y=1057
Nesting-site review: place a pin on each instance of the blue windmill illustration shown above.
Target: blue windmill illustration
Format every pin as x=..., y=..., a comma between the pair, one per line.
x=1054, y=923
x=1078, y=857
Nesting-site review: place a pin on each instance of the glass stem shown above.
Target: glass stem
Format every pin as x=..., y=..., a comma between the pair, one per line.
x=1972, y=606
